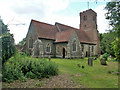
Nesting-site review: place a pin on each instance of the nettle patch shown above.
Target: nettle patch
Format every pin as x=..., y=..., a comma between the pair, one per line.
x=21, y=67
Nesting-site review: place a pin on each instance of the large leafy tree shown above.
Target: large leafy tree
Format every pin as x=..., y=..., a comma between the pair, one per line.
x=106, y=43
x=7, y=43
x=113, y=15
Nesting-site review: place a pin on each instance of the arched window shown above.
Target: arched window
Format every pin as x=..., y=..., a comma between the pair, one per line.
x=74, y=45
x=85, y=18
x=30, y=42
x=82, y=47
x=48, y=48
x=92, y=48
x=58, y=49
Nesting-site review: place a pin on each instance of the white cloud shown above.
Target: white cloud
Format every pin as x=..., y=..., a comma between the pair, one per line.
x=101, y=21
x=22, y=11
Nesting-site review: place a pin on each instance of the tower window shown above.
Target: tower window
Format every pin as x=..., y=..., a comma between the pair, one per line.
x=85, y=18
x=94, y=18
x=74, y=45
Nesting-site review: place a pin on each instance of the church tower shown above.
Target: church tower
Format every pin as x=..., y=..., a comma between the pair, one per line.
x=88, y=23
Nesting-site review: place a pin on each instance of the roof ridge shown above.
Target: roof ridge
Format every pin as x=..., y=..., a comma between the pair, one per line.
x=68, y=30
x=65, y=25
x=42, y=22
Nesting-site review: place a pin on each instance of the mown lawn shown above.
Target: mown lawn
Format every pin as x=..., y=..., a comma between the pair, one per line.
x=95, y=76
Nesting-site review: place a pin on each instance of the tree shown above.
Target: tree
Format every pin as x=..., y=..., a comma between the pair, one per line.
x=106, y=44
x=113, y=15
x=22, y=42
x=7, y=43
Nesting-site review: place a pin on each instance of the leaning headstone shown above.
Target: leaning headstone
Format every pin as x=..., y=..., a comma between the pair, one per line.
x=103, y=62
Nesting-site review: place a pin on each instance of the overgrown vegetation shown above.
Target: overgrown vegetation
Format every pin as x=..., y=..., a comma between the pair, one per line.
x=21, y=67
x=105, y=56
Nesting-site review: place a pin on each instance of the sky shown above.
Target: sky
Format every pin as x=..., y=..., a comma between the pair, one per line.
x=17, y=14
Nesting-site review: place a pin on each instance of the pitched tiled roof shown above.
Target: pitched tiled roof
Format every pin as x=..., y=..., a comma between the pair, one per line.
x=83, y=36
x=63, y=36
x=44, y=30
x=63, y=27
x=48, y=31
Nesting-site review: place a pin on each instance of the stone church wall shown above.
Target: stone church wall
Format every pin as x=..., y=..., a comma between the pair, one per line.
x=71, y=53
x=31, y=34
x=52, y=48
x=59, y=49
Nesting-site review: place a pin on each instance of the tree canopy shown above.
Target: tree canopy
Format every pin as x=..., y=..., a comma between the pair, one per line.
x=106, y=43
x=7, y=43
x=113, y=15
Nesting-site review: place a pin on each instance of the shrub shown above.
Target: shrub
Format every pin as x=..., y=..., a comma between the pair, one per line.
x=103, y=59
x=11, y=71
x=30, y=75
x=105, y=56
x=22, y=66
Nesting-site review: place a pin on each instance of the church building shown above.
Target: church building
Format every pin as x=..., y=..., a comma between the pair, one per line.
x=63, y=41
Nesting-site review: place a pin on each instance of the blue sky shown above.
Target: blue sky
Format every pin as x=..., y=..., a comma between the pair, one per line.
x=48, y=11
x=75, y=7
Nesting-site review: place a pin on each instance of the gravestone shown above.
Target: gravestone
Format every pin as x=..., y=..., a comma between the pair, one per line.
x=103, y=62
x=78, y=65
x=49, y=57
x=90, y=61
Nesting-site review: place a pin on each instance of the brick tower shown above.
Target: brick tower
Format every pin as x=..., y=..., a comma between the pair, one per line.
x=88, y=23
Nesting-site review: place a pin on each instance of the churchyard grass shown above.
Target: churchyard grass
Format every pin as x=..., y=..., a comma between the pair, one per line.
x=96, y=76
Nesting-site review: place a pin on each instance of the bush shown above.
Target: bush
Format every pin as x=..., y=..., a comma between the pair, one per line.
x=103, y=59
x=22, y=66
x=12, y=71
x=105, y=56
